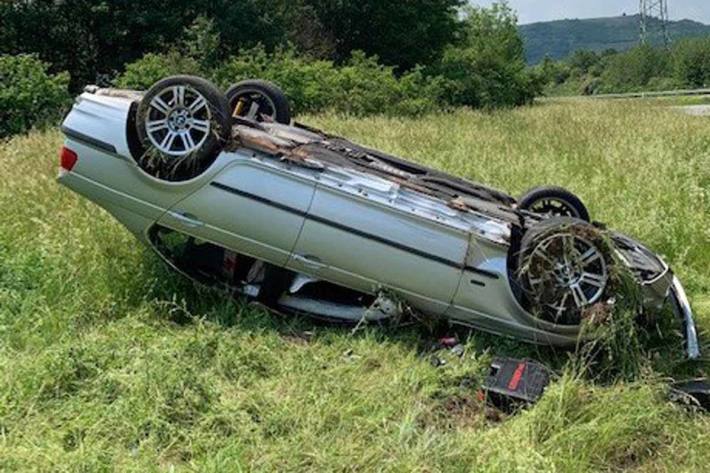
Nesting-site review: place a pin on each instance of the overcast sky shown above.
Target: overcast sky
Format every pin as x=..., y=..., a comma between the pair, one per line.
x=530, y=11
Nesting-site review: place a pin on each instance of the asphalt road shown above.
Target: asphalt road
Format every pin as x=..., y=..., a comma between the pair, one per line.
x=696, y=110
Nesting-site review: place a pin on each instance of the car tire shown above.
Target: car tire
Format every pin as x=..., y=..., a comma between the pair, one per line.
x=182, y=123
x=553, y=201
x=271, y=102
x=563, y=255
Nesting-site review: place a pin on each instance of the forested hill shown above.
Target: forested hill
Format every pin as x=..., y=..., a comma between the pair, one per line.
x=561, y=37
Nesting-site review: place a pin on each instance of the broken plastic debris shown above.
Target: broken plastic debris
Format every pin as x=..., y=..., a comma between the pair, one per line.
x=448, y=342
x=692, y=393
x=511, y=382
x=457, y=350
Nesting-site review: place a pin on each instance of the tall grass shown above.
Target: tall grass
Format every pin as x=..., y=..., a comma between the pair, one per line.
x=109, y=361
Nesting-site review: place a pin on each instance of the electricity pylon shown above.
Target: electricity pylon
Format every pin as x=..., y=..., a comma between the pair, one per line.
x=654, y=21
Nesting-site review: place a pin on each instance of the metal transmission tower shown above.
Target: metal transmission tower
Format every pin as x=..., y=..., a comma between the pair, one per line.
x=654, y=21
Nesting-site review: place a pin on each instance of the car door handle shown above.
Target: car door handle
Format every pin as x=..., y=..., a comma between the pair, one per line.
x=186, y=219
x=310, y=261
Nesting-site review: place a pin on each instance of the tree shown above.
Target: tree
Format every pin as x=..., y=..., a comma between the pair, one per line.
x=692, y=62
x=202, y=42
x=582, y=61
x=486, y=68
x=634, y=69
x=551, y=71
x=91, y=38
x=401, y=34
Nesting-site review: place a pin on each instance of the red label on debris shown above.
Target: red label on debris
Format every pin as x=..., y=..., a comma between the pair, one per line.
x=515, y=379
x=448, y=341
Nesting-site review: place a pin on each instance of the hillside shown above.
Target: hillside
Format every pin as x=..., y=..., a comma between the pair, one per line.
x=561, y=37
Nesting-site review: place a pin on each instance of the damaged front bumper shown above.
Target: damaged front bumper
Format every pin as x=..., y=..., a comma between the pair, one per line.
x=659, y=286
x=668, y=289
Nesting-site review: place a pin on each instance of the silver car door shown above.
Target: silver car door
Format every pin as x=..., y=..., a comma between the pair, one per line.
x=351, y=239
x=253, y=206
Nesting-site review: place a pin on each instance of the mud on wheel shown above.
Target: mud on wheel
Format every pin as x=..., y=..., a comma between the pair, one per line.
x=564, y=269
x=182, y=123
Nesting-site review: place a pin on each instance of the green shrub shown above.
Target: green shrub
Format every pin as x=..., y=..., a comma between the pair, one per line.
x=552, y=72
x=488, y=68
x=308, y=83
x=692, y=62
x=152, y=67
x=364, y=87
x=632, y=70
x=361, y=86
x=643, y=68
x=664, y=83
x=481, y=79
x=203, y=43
x=29, y=95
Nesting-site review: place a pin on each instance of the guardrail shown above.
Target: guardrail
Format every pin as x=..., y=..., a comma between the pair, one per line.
x=634, y=95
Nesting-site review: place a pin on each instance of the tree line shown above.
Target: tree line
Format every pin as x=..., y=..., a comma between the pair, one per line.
x=683, y=65
x=352, y=56
x=90, y=38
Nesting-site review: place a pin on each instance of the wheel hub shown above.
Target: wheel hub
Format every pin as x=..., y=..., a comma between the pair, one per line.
x=179, y=120
x=566, y=273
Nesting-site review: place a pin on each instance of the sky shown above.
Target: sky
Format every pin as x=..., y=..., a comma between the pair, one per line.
x=530, y=11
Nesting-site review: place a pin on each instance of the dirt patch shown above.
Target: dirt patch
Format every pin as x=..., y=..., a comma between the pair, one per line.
x=298, y=338
x=460, y=411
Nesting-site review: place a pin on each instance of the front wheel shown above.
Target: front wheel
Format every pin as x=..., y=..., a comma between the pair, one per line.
x=564, y=267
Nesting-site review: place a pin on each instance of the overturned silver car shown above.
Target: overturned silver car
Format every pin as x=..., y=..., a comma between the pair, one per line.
x=227, y=190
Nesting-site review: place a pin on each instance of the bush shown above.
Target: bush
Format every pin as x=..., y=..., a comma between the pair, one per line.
x=488, y=68
x=361, y=86
x=479, y=79
x=692, y=62
x=309, y=84
x=364, y=87
x=152, y=67
x=664, y=83
x=29, y=95
x=202, y=42
x=643, y=68
x=632, y=70
x=485, y=69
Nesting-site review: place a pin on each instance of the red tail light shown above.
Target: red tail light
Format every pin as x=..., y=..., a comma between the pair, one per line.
x=67, y=158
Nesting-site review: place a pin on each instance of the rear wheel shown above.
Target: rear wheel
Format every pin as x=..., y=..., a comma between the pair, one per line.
x=182, y=123
x=563, y=268
x=260, y=101
x=553, y=201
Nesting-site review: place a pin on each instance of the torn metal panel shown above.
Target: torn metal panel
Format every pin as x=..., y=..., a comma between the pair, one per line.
x=317, y=150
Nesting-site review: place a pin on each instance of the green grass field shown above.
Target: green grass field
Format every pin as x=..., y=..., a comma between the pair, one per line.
x=108, y=361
